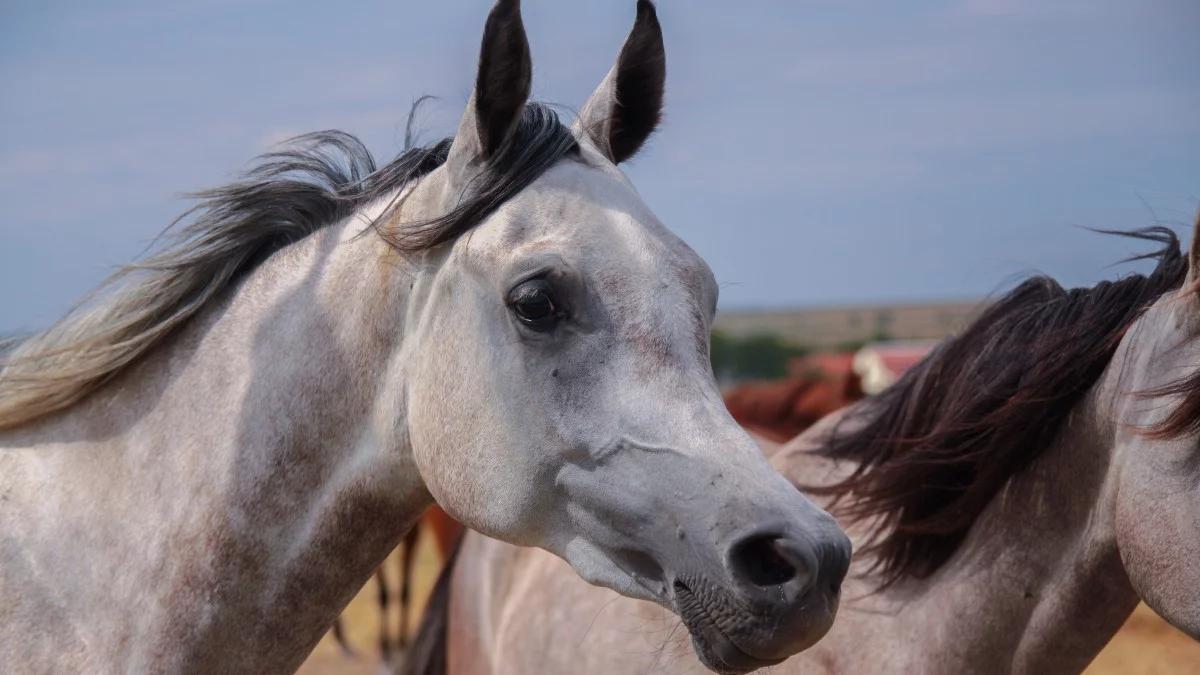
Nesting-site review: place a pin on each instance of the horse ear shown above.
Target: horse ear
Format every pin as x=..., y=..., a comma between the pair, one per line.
x=627, y=106
x=501, y=85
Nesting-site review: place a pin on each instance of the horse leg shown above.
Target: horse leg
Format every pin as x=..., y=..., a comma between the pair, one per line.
x=406, y=567
x=339, y=636
x=385, y=648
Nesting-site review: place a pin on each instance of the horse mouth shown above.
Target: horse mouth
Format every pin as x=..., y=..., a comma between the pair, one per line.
x=715, y=649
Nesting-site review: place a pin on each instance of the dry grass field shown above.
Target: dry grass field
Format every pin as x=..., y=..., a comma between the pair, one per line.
x=361, y=620
x=1145, y=645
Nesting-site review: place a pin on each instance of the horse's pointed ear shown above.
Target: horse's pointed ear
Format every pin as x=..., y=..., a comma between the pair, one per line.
x=627, y=106
x=501, y=86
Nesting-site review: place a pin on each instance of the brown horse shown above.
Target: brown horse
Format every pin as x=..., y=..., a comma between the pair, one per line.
x=1011, y=499
x=782, y=409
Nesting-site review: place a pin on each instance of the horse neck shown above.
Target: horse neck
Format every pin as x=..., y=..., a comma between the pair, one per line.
x=228, y=495
x=1037, y=586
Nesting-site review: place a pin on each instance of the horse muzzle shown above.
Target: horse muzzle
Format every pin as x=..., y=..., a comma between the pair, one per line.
x=777, y=596
x=752, y=566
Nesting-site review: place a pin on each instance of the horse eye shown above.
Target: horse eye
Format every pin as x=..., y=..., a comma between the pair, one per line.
x=534, y=305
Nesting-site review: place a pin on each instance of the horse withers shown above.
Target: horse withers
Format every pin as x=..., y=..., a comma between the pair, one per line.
x=199, y=468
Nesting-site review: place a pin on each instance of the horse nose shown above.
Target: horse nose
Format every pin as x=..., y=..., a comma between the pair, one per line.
x=786, y=567
x=769, y=560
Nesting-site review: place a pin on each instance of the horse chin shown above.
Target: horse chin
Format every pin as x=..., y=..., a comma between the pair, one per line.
x=713, y=647
x=627, y=572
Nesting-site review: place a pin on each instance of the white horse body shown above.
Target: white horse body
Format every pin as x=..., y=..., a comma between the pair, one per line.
x=198, y=472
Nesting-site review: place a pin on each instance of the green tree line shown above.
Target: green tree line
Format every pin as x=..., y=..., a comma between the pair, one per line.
x=760, y=357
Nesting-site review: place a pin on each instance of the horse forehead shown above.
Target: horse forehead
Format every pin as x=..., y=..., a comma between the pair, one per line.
x=653, y=284
x=594, y=213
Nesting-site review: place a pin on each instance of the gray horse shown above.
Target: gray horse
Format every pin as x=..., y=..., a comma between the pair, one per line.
x=1012, y=498
x=200, y=467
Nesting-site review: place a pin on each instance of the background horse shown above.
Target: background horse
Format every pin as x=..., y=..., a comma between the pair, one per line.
x=782, y=409
x=1011, y=497
x=199, y=470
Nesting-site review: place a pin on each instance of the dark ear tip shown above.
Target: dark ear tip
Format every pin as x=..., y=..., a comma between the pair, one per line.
x=646, y=32
x=506, y=9
x=645, y=10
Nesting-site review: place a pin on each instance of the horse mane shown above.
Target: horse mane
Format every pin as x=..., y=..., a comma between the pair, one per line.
x=936, y=447
x=1185, y=418
x=315, y=180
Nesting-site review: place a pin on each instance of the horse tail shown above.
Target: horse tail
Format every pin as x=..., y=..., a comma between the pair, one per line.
x=427, y=653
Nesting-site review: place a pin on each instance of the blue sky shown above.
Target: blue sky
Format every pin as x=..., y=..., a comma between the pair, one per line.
x=814, y=152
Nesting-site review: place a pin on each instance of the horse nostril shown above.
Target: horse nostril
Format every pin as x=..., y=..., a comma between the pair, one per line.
x=765, y=560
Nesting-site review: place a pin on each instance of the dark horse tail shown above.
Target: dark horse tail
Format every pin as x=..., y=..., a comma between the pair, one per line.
x=427, y=653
